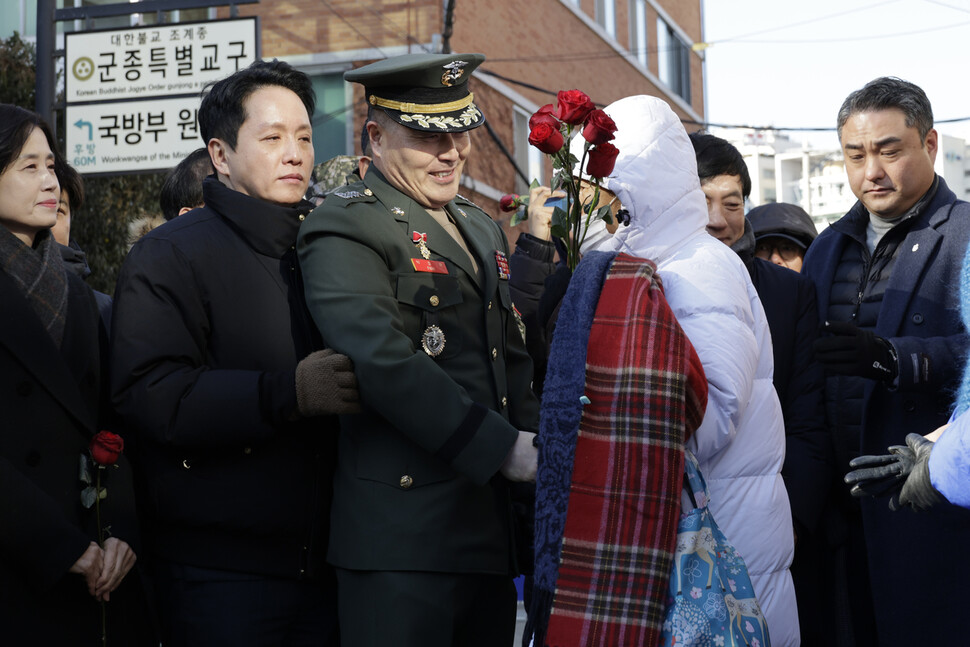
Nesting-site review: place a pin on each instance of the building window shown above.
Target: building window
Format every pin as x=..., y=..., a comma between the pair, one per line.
x=606, y=15
x=638, y=30
x=331, y=116
x=528, y=158
x=674, y=60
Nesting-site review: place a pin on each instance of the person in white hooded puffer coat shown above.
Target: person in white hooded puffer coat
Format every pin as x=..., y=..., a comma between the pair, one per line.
x=741, y=443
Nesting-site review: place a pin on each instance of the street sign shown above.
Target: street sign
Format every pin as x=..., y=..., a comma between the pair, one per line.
x=160, y=60
x=131, y=136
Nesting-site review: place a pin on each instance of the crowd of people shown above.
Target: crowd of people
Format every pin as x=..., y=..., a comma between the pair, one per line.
x=352, y=415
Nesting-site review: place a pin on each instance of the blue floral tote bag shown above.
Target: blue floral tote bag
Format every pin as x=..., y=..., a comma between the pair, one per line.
x=710, y=597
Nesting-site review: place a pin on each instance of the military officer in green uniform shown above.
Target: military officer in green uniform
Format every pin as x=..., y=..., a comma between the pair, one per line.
x=410, y=280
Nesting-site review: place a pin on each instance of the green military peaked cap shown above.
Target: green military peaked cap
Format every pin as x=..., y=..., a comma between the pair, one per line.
x=423, y=91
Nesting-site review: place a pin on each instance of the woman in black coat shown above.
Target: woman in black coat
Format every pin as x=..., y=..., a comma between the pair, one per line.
x=54, y=575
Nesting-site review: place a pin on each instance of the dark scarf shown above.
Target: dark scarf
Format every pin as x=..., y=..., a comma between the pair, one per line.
x=40, y=274
x=610, y=471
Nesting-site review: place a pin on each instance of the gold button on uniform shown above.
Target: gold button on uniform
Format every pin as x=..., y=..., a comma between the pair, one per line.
x=406, y=481
x=368, y=192
x=494, y=353
x=433, y=300
x=505, y=402
x=489, y=305
x=247, y=450
x=302, y=217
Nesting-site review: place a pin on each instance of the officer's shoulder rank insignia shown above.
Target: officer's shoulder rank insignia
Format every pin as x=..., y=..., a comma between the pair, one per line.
x=348, y=195
x=460, y=199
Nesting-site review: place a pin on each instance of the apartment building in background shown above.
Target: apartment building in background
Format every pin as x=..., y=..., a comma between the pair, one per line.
x=607, y=48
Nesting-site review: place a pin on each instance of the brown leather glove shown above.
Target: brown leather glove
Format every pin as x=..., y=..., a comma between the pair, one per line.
x=326, y=385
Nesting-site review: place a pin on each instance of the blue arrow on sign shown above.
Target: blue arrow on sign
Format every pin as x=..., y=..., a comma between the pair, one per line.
x=80, y=123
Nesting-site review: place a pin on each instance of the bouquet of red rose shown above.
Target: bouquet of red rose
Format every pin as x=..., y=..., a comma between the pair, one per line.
x=551, y=131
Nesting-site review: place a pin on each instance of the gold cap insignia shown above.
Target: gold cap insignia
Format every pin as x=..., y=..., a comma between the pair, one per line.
x=454, y=71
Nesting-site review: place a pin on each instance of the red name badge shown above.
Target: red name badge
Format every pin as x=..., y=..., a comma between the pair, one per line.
x=423, y=265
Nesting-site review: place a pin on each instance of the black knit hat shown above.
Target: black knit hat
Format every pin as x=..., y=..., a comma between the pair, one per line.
x=426, y=92
x=784, y=220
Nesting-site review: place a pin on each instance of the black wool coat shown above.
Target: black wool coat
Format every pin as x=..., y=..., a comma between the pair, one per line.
x=51, y=403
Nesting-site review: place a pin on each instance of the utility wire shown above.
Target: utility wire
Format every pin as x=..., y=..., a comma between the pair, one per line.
x=797, y=41
x=802, y=22
x=354, y=27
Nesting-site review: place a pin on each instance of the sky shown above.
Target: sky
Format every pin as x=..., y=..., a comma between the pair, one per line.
x=788, y=63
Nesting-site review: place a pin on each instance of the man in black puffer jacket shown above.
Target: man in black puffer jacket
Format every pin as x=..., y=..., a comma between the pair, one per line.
x=217, y=373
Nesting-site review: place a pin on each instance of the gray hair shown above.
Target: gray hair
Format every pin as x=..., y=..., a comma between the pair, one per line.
x=890, y=92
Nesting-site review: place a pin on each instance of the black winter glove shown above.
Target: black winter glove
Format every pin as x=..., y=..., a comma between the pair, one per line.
x=904, y=473
x=326, y=385
x=847, y=350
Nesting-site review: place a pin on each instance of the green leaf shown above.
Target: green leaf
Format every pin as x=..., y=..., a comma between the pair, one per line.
x=603, y=213
x=559, y=231
x=535, y=184
x=521, y=215
x=85, y=472
x=87, y=496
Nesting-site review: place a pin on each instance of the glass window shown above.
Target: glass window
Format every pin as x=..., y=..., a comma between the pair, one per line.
x=674, y=60
x=330, y=117
x=606, y=16
x=527, y=157
x=638, y=30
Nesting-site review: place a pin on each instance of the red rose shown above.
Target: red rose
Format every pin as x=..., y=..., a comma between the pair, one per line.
x=546, y=138
x=599, y=127
x=106, y=447
x=601, y=160
x=573, y=106
x=508, y=202
x=543, y=116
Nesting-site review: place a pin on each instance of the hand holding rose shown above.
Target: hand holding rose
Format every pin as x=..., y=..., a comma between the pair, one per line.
x=540, y=216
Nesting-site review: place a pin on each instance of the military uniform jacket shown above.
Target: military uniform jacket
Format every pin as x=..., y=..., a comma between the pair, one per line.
x=417, y=484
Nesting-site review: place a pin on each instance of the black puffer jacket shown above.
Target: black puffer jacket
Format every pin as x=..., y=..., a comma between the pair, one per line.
x=209, y=324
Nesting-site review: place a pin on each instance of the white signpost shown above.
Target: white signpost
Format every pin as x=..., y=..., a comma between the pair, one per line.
x=110, y=126
x=125, y=136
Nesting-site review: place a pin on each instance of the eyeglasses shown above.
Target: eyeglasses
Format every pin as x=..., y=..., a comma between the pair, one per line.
x=787, y=250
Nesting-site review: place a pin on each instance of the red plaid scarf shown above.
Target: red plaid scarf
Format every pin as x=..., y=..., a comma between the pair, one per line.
x=647, y=394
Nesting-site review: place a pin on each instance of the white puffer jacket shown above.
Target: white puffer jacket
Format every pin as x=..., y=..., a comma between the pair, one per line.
x=741, y=443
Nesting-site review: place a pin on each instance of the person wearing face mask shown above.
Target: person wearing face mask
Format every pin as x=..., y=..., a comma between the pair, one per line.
x=740, y=444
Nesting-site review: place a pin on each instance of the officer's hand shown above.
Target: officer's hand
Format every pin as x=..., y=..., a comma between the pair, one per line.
x=326, y=385
x=918, y=492
x=521, y=463
x=540, y=216
x=842, y=348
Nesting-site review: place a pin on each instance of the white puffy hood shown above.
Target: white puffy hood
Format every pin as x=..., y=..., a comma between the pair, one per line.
x=655, y=179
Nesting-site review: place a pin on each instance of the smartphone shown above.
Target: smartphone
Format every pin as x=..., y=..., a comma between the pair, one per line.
x=555, y=202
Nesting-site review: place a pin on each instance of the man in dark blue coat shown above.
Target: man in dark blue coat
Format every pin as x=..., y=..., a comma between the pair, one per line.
x=887, y=277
